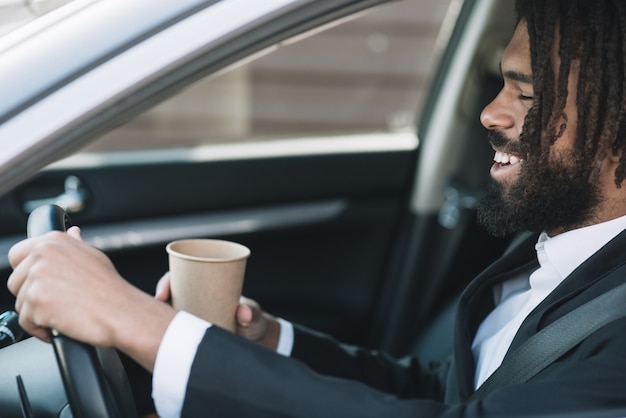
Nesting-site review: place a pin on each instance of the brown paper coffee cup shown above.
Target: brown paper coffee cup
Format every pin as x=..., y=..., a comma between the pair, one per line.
x=206, y=278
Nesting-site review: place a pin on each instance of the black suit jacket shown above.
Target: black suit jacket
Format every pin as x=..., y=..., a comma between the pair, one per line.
x=231, y=377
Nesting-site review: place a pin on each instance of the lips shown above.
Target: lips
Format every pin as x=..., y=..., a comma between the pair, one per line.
x=506, y=166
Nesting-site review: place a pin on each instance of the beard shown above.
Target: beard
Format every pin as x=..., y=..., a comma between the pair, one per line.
x=544, y=197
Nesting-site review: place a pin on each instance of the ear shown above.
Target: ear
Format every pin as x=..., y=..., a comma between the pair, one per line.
x=615, y=155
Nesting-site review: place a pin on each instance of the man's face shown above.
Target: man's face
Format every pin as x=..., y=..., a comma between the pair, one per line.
x=525, y=194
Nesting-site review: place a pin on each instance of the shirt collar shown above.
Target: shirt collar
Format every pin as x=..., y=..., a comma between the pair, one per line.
x=570, y=249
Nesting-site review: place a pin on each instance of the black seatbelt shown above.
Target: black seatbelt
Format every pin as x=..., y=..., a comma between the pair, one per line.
x=549, y=344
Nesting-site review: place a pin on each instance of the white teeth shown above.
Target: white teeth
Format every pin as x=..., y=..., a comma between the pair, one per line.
x=504, y=158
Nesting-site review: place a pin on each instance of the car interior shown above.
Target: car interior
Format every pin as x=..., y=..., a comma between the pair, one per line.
x=372, y=247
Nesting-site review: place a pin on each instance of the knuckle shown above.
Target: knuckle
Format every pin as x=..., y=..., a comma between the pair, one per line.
x=37, y=271
x=42, y=248
x=37, y=297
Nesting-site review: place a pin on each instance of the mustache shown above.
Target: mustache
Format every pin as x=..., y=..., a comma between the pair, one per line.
x=498, y=140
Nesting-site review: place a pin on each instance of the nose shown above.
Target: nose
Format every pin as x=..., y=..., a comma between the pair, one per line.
x=497, y=116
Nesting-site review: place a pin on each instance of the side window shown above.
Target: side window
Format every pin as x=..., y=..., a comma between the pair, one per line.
x=368, y=74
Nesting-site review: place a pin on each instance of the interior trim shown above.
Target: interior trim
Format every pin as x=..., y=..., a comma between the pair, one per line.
x=123, y=235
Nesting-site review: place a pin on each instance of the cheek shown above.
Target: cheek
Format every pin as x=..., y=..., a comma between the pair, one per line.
x=564, y=147
x=519, y=111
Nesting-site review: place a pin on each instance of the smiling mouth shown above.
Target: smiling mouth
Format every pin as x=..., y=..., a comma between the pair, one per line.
x=505, y=159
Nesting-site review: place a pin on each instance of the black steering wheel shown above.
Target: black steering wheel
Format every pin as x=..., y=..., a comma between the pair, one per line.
x=95, y=382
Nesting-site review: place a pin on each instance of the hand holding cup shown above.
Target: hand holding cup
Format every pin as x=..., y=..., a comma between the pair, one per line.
x=206, y=278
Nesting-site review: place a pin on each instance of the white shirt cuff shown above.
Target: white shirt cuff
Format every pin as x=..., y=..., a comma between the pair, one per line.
x=173, y=363
x=285, y=340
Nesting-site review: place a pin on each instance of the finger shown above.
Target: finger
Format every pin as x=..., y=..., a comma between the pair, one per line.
x=22, y=249
x=250, y=322
x=41, y=333
x=24, y=255
x=19, y=290
x=254, y=309
x=32, y=328
x=19, y=251
x=162, y=291
x=244, y=315
x=75, y=233
x=18, y=276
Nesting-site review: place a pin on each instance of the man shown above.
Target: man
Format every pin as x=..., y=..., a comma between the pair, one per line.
x=556, y=127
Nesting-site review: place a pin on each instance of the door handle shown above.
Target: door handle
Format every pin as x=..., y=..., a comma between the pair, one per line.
x=72, y=200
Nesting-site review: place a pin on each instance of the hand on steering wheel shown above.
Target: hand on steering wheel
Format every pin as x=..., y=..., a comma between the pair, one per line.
x=89, y=392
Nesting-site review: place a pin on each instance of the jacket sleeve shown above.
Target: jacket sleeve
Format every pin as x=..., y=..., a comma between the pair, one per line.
x=406, y=377
x=232, y=378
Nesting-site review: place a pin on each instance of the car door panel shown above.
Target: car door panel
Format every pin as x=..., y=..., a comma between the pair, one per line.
x=319, y=227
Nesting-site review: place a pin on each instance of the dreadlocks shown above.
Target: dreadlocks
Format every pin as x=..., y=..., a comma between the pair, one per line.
x=592, y=42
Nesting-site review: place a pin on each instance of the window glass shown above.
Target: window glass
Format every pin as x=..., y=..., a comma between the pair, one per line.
x=368, y=74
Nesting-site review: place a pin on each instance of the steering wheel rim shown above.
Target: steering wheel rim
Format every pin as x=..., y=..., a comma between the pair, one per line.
x=90, y=394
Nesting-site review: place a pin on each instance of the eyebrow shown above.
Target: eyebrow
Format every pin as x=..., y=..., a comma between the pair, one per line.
x=518, y=76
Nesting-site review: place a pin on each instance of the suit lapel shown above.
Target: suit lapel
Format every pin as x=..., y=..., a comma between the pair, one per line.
x=477, y=302
x=593, y=277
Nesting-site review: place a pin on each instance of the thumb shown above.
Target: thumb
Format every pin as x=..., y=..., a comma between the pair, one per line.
x=244, y=315
x=162, y=291
x=74, y=232
x=251, y=323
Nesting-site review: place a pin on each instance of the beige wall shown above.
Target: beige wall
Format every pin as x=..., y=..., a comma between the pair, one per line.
x=368, y=74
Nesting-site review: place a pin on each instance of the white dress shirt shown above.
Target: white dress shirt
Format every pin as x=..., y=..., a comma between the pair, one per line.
x=514, y=299
x=517, y=297
x=175, y=358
